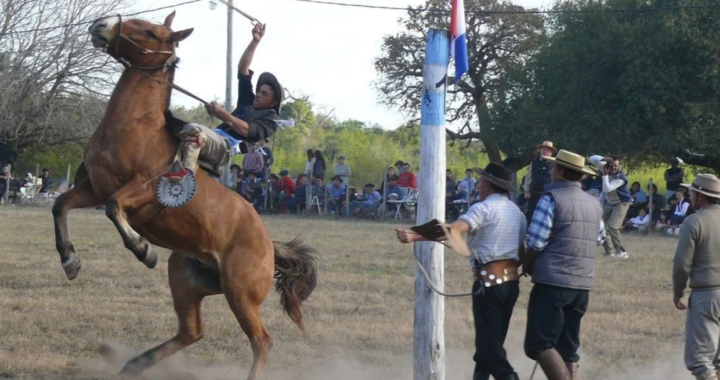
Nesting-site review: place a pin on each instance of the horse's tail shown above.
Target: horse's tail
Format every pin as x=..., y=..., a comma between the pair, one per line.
x=296, y=275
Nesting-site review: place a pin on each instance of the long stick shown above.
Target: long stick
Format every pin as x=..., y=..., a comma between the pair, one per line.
x=251, y=18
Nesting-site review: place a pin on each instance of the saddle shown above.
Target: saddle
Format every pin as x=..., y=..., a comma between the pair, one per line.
x=175, y=125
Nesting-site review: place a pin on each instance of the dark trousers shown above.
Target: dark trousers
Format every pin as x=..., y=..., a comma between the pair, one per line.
x=492, y=310
x=553, y=320
x=532, y=205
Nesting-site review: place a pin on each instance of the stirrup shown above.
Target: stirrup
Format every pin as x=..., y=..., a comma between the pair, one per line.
x=176, y=188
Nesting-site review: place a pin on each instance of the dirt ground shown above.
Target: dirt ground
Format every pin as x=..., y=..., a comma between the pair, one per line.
x=359, y=319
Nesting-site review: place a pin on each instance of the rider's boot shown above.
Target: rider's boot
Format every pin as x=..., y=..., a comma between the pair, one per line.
x=193, y=139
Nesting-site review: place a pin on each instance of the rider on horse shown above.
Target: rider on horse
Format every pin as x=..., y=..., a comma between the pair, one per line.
x=255, y=118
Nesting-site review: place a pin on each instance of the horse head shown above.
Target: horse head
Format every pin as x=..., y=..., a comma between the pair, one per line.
x=138, y=43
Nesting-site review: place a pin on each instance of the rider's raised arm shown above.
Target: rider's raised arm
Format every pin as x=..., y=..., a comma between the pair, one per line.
x=247, y=57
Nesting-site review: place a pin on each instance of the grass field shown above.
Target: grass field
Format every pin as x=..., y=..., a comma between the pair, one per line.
x=359, y=319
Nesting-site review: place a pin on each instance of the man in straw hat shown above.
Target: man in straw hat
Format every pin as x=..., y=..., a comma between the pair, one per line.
x=254, y=118
x=697, y=259
x=561, y=245
x=495, y=229
x=538, y=176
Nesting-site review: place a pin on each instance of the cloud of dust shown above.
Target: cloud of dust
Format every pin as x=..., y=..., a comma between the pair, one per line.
x=458, y=365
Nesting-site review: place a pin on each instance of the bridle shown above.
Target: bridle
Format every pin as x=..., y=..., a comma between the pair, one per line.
x=169, y=62
x=164, y=66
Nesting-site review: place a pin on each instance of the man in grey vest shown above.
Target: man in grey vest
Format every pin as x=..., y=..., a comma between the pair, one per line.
x=696, y=259
x=562, y=241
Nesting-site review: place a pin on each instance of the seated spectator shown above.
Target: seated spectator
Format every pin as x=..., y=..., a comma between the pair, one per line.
x=285, y=186
x=407, y=178
x=639, y=200
x=319, y=190
x=248, y=186
x=450, y=186
x=663, y=222
x=658, y=203
x=273, y=192
x=261, y=192
x=395, y=192
x=679, y=213
x=337, y=195
x=640, y=223
x=367, y=204
x=637, y=194
x=296, y=202
x=466, y=186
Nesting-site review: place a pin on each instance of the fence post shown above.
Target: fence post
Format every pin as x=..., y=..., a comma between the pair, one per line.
x=347, y=198
x=308, y=192
x=7, y=184
x=35, y=190
x=650, y=205
x=383, y=206
x=429, y=332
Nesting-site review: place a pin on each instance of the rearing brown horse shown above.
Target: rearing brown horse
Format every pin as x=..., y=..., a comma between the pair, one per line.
x=219, y=243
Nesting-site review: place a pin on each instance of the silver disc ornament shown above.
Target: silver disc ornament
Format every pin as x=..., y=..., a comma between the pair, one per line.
x=176, y=194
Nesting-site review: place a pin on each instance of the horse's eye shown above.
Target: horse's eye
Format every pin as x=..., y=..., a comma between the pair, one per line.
x=151, y=34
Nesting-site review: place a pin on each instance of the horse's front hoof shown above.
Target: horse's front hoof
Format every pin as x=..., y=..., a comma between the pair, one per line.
x=151, y=258
x=72, y=266
x=133, y=368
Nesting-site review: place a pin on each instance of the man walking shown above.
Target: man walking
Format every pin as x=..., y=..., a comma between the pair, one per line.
x=562, y=241
x=496, y=229
x=538, y=176
x=616, y=201
x=696, y=259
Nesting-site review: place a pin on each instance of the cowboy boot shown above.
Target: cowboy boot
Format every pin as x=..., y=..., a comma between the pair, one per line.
x=574, y=369
x=553, y=365
x=193, y=139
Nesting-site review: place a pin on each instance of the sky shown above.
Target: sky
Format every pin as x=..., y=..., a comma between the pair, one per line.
x=321, y=51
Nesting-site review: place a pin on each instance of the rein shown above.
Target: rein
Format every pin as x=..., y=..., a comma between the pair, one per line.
x=145, y=70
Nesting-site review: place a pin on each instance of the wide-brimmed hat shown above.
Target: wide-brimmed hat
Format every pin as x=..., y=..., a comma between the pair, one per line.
x=496, y=174
x=270, y=80
x=570, y=160
x=707, y=184
x=549, y=145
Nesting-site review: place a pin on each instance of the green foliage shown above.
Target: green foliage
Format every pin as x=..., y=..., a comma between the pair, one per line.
x=56, y=158
x=643, y=86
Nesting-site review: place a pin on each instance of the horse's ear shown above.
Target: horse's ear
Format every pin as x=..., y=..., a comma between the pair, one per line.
x=181, y=35
x=169, y=19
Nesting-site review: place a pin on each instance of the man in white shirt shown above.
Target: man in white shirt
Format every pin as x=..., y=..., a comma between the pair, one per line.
x=496, y=229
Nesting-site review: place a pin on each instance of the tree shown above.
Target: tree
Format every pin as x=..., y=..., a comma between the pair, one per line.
x=54, y=83
x=643, y=85
x=496, y=43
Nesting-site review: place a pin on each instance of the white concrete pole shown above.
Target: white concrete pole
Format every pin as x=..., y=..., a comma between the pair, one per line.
x=429, y=339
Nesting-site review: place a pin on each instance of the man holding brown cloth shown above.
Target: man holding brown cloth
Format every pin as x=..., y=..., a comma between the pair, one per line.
x=697, y=259
x=496, y=229
x=561, y=246
x=538, y=176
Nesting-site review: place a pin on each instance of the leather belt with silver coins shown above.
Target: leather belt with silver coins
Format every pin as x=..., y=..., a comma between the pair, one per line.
x=496, y=272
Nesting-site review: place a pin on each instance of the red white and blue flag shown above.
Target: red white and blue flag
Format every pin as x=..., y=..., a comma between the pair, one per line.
x=458, y=46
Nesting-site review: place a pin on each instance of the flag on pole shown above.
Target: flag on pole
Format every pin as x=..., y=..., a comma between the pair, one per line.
x=458, y=46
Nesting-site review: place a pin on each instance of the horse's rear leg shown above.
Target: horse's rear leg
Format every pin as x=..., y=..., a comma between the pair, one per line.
x=244, y=296
x=190, y=282
x=134, y=195
x=80, y=196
